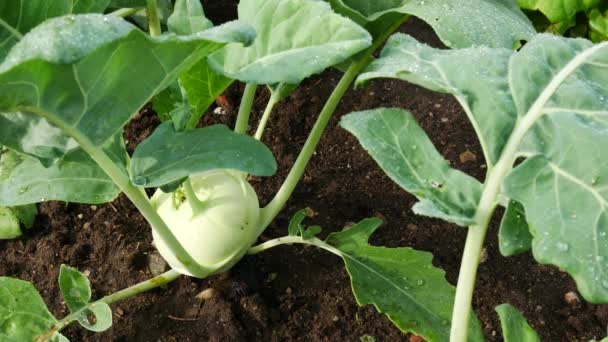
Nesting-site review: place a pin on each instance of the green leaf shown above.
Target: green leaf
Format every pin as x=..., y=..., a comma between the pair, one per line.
x=127, y=3
x=75, y=288
x=76, y=291
x=202, y=86
x=295, y=224
x=23, y=314
x=103, y=317
x=296, y=38
x=449, y=71
x=598, y=25
x=514, y=325
x=559, y=10
x=514, y=235
x=406, y=154
x=458, y=23
x=168, y=156
x=188, y=17
x=400, y=282
x=9, y=224
x=74, y=178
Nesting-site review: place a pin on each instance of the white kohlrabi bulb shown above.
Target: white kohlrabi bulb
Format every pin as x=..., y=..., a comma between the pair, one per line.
x=224, y=226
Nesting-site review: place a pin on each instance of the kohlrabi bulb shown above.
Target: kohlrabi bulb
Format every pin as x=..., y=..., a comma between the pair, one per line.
x=223, y=226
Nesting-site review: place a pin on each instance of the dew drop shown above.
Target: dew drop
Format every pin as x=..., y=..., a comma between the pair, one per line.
x=562, y=246
x=602, y=234
x=420, y=282
x=24, y=190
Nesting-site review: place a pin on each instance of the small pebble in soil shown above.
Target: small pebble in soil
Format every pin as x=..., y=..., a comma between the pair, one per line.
x=572, y=298
x=207, y=294
x=467, y=156
x=335, y=318
x=156, y=264
x=484, y=256
x=80, y=216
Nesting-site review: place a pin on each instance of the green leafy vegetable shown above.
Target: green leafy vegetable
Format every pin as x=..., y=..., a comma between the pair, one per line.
x=168, y=156
x=188, y=17
x=459, y=23
x=404, y=151
x=514, y=325
x=296, y=38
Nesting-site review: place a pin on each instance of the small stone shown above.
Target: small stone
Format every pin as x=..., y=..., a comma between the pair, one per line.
x=484, y=256
x=444, y=120
x=219, y=111
x=538, y=308
x=86, y=273
x=288, y=290
x=437, y=105
x=335, y=318
x=93, y=207
x=572, y=298
x=271, y=277
x=467, y=156
x=156, y=264
x=412, y=226
x=86, y=225
x=207, y=294
x=80, y=216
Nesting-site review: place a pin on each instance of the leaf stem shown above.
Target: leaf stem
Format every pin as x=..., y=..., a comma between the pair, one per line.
x=360, y=62
x=13, y=31
x=288, y=240
x=264, y=120
x=242, y=119
x=197, y=205
x=153, y=19
x=129, y=292
x=124, y=12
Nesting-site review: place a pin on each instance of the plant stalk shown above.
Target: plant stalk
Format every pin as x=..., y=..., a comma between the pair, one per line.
x=264, y=120
x=153, y=19
x=124, y=12
x=129, y=292
x=362, y=60
x=476, y=235
x=288, y=240
x=242, y=119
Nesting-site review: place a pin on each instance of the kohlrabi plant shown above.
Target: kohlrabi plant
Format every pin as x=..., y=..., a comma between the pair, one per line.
x=70, y=80
x=541, y=116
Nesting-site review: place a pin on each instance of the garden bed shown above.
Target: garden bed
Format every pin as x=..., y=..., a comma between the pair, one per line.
x=298, y=293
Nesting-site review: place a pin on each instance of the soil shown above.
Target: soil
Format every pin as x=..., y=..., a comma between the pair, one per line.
x=294, y=293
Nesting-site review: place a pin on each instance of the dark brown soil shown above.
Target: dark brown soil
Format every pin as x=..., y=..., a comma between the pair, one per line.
x=296, y=293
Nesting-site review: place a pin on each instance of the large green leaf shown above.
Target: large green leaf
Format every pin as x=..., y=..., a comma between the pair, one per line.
x=18, y=17
x=168, y=155
x=23, y=314
x=400, y=282
x=406, y=154
x=450, y=71
x=188, y=17
x=9, y=224
x=458, y=23
x=514, y=325
x=74, y=178
x=296, y=38
x=76, y=73
x=559, y=104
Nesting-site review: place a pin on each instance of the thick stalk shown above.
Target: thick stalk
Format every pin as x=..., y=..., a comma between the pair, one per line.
x=264, y=120
x=147, y=285
x=242, y=119
x=363, y=60
x=477, y=233
x=153, y=19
